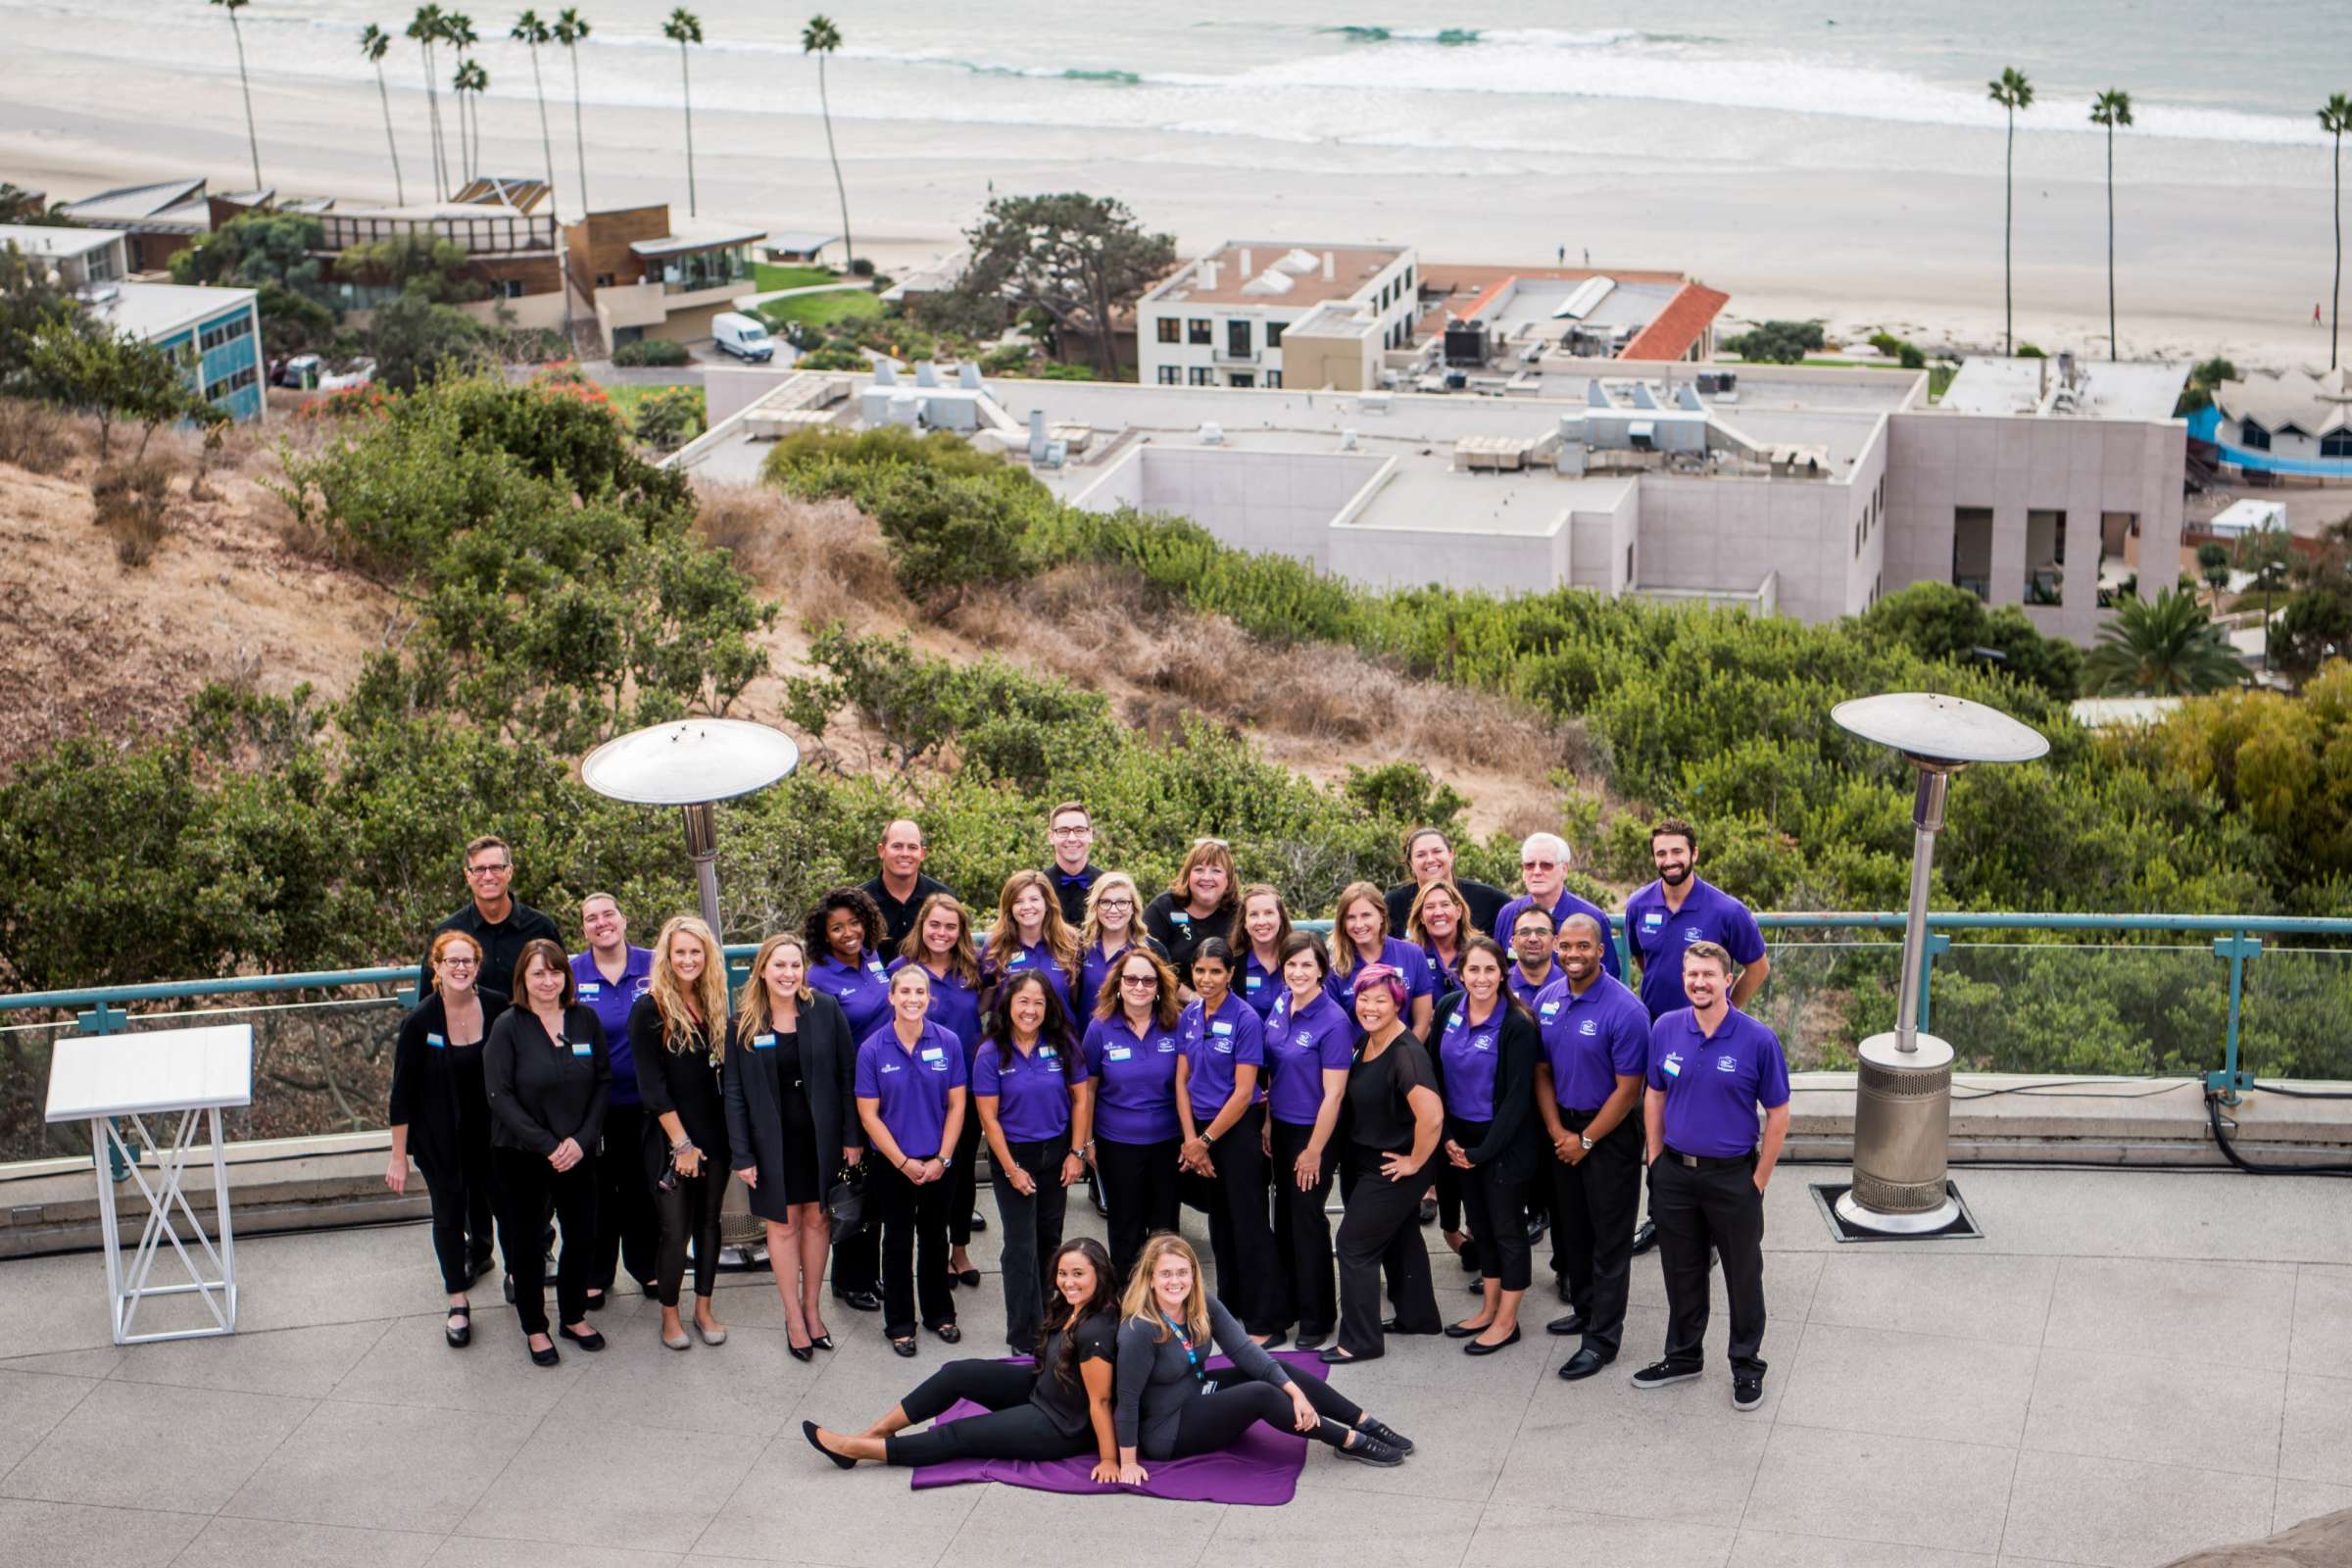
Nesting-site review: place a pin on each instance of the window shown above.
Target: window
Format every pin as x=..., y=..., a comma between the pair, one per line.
x=1972, y=550
x=1196, y=331
x=2336, y=443
x=2253, y=435
x=1168, y=375
x=604, y=280
x=507, y=288
x=1237, y=338
x=1274, y=379
x=1274, y=334
x=220, y=333
x=236, y=381
x=1171, y=331
x=1200, y=376
x=1240, y=378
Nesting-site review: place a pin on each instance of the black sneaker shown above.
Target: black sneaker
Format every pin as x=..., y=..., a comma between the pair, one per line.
x=1747, y=1391
x=1386, y=1434
x=1369, y=1450
x=1658, y=1374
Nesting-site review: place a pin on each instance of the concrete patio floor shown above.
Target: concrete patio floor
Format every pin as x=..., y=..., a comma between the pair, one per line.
x=2129, y=1367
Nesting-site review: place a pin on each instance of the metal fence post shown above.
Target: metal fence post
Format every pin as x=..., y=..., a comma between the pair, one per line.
x=2237, y=948
x=1936, y=943
x=105, y=1019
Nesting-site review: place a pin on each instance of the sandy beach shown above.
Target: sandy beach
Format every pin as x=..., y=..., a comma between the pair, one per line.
x=2216, y=267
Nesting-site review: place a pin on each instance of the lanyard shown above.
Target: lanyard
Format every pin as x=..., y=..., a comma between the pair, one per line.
x=1192, y=1357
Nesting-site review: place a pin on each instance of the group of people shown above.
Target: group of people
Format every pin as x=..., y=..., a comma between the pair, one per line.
x=1451, y=1053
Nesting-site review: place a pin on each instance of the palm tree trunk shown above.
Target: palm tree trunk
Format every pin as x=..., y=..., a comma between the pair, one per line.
x=2008, y=229
x=399, y=189
x=848, y=246
x=686, y=89
x=547, y=143
x=251, y=137
x=579, y=141
x=2336, y=312
x=2111, y=344
x=464, y=140
x=432, y=109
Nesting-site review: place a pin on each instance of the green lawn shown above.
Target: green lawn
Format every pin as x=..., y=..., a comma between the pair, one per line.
x=767, y=274
x=822, y=310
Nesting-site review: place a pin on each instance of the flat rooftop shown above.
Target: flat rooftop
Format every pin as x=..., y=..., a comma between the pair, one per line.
x=2135, y=389
x=1274, y=272
x=697, y=234
x=2127, y=1367
x=149, y=311
x=44, y=239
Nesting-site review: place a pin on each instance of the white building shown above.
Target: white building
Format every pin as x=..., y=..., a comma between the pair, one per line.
x=1219, y=321
x=75, y=256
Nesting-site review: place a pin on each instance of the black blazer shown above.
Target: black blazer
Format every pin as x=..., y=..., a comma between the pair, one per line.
x=1514, y=1135
x=437, y=1090
x=756, y=1120
x=540, y=1093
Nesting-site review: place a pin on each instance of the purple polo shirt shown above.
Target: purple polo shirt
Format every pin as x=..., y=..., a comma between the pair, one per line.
x=1528, y=992
x=1020, y=960
x=1256, y=984
x=862, y=992
x=1444, y=977
x=1591, y=1039
x=913, y=1085
x=1135, y=1081
x=1659, y=935
x=1566, y=905
x=954, y=1008
x=1466, y=1053
x=1092, y=969
x=1713, y=1086
x=610, y=1002
x=1214, y=1044
x=1406, y=959
x=1299, y=1048
x=1033, y=1097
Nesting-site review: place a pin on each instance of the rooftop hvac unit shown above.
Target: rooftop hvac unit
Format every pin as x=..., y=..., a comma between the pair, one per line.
x=1213, y=435
x=1346, y=440
x=1465, y=343
x=1709, y=383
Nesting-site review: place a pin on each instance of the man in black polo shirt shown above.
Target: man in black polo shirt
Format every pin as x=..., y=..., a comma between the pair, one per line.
x=902, y=887
x=1070, y=831
x=499, y=923
x=1428, y=855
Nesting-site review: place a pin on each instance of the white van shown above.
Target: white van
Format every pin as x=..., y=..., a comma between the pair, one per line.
x=742, y=336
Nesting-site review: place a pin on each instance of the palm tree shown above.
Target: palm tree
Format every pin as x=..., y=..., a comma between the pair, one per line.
x=2161, y=647
x=2012, y=91
x=820, y=38
x=457, y=32
x=2335, y=118
x=232, y=7
x=374, y=43
x=425, y=26
x=529, y=31
x=570, y=28
x=2111, y=109
x=682, y=29
x=473, y=82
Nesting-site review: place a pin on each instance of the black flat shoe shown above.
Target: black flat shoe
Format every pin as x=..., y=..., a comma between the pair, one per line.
x=1463, y=1331
x=476, y=1269
x=1276, y=1340
x=859, y=1300
x=1312, y=1339
x=590, y=1341
x=969, y=1278
x=546, y=1358
x=1582, y=1364
x=459, y=1329
x=809, y=1431
x=799, y=1352
x=904, y=1346
x=1429, y=1212
x=596, y=1301
x=979, y=1224
x=1482, y=1347
x=948, y=1333
x=1336, y=1356
x=506, y=1284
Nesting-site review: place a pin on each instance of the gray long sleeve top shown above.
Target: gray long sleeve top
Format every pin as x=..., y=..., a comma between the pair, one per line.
x=1155, y=1380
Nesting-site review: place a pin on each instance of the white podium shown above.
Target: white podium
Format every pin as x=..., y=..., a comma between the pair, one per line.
x=159, y=1073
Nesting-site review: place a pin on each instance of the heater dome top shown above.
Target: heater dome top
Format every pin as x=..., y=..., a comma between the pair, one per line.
x=1931, y=728
x=690, y=761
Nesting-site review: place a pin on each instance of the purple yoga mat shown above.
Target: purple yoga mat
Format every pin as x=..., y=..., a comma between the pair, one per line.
x=1261, y=1468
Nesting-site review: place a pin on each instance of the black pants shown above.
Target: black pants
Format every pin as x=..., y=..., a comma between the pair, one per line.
x=627, y=1226
x=460, y=1194
x=1013, y=1428
x=963, y=1180
x=1695, y=1210
x=527, y=1188
x=1448, y=1182
x=1139, y=1184
x=1303, y=1235
x=688, y=1212
x=1494, y=1204
x=1238, y=1237
x=914, y=1250
x=1593, y=1207
x=857, y=1263
x=1030, y=1227
x=1212, y=1421
x=1382, y=1229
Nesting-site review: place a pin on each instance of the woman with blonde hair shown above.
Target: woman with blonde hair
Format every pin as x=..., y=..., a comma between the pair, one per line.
x=1200, y=903
x=440, y=1114
x=1440, y=926
x=1262, y=928
x=941, y=941
x=676, y=1031
x=1113, y=912
x=1169, y=1407
x=1030, y=932
x=1359, y=935
x=791, y=1116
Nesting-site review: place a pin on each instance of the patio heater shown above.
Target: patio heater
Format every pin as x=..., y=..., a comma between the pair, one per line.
x=1903, y=1099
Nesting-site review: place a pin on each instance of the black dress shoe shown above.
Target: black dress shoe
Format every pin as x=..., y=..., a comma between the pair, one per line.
x=1573, y=1323
x=1336, y=1356
x=1312, y=1339
x=859, y=1300
x=979, y=1224
x=809, y=1431
x=968, y=1278
x=1429, y=1212
x=1567, y=1292
x=1482, y=1347
x=590, y=1341
x=546, y=1358
x=596, y=1301
x=508, y=1285
x=1582, y=1364
x=823, y=1342
x=1276, y=1340
x=459, y=1329
x=1645, y=1238
x=1463, y=1331
x=799, y=1352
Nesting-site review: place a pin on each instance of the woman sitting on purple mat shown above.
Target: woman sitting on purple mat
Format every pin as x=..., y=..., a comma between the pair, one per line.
x=1055, y=1410
x=1171, y=1406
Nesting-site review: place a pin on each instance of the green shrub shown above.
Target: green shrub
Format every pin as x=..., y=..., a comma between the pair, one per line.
x=656, y=351
x=1911, y=358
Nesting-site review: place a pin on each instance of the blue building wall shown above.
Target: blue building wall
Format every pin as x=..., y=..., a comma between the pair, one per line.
x=2206, y=425
x=231, y=366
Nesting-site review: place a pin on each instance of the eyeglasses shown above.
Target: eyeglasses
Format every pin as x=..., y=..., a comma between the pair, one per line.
x=1070, y=832
x=1538, y=865
x=1150, y=980
x=1116, y=903
x=490, y=870
x=461, y=963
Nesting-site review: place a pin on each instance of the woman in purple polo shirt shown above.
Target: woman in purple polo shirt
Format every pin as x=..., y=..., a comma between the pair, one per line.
x=1438, y=924
x=1221, y=1164
x=843, y=936
x=1260, y=927
x=1308, y=1044
x=911, y=1096
x=1037, y=1109
x=1486, y=1047
x=1131, y=1052
x=1359, y=935
x=1112, y=911
x=941, y=941
x=1029, y=933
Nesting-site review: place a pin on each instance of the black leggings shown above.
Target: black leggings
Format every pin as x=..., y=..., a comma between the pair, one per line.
x=460, y=1194
x=689, y=1211
x=1013, y=1428
x=914, y=1250
x=1212, y=1421
x=1240, y=1237
x=1303, y=1233
x=528, y=1187
x=1138, y=1186
x=628, y=1222
x=1496, y=1205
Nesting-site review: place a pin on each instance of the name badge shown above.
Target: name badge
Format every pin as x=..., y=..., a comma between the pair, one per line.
x=1253, y=982
x=1453, y=1020
x=1045, y=1054
x=1220, y=1028
x=1652, y=920
x=581, y=1047
x=874, y=967
x=1673, y=1065
x=1180, y=918
x=436, y=1042
x=590, y=990
x=763, y=1042
x=931, y=1053
x=1116, y=1054
x=1019, y=956
x=1551, y=1008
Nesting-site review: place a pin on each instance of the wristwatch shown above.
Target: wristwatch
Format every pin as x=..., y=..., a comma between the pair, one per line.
x=1587, y=1142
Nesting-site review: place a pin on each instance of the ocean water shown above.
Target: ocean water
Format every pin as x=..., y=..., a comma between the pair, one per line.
x=1466, y=86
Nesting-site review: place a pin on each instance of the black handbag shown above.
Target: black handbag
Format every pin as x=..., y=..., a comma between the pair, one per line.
x=845, y=1201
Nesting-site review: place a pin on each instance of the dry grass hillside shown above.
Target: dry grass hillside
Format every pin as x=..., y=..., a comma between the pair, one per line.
x=110, y=633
